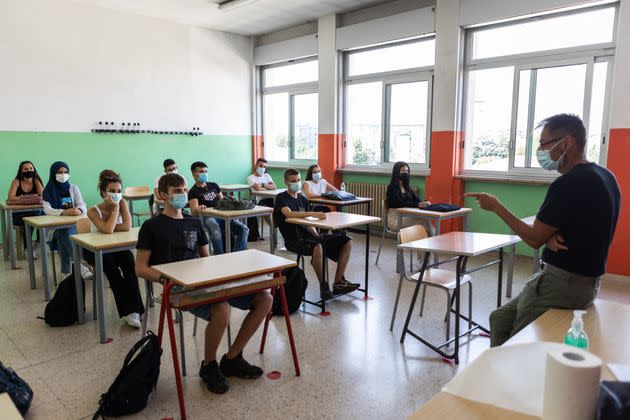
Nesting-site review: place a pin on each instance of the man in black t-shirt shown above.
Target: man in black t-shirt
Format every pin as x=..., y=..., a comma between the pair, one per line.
x=298, y=239
x=206, y=194
x=576, y=222
x=173, y=236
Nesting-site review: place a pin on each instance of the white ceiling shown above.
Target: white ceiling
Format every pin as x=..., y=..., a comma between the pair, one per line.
x=260, y=17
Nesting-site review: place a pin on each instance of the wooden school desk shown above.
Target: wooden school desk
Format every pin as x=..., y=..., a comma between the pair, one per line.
x=218, y=278
x=463, y=245
x=44, y=224
x=6, y=217
x=99, y=243
x=335, y=221
x=229, y=215
x=234, y=188
x=342, y=204
x=267, y=193
x=608, y=331
x=136, y=196
x=8, y=411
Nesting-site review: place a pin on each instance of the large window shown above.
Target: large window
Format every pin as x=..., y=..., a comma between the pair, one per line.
x=388, y=103
x=289, y=109
x=517, y=74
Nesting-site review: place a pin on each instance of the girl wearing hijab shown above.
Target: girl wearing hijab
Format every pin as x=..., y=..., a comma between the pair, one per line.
x=400, y=194
x=61, y=198
x=26, y=182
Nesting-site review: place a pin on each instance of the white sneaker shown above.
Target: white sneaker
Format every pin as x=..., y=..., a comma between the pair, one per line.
x=35, y=250
x=86, y=272
x=133, y=320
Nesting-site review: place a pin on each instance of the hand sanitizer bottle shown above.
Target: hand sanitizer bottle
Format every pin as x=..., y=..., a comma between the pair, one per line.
x=576, y=336
x=342, y=187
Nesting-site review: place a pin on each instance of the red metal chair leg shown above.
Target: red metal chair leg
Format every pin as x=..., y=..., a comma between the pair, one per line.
x=171, y=332
x=289, y=330
x=162, y=312
x=267, y=319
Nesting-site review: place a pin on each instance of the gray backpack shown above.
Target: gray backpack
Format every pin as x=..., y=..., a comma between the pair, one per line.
x=231, y=203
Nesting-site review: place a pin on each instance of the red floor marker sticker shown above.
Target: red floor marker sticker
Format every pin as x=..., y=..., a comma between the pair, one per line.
x=484, y=334
x=366, y=298
x=273, y=375
x=109, y=340
x=324, y=313
x=449, y=361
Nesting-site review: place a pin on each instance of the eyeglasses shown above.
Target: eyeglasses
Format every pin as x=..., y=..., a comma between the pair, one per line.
x=550, y=141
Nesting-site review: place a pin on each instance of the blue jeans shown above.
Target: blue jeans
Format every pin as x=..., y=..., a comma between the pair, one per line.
x=61, y=238
x=215, y=230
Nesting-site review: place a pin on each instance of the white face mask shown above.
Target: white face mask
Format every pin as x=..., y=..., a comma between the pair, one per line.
x=260, y=171
x=317, y=176
x=116, y=197
x=545, y=160
x=62, y=178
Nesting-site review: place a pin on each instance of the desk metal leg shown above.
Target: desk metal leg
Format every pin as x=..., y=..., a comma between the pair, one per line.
x=11, y=240
x=510, y=274
x=131, y=210
x=29, y=252
x=367, y=260
x=78, y=284
x=466, y=222
x=272, y=230
x=324, y=274
x=5, y=245
x=44, y=257
x=100, y=298
x=438, y=229
x=500, y=277
x=228, y=234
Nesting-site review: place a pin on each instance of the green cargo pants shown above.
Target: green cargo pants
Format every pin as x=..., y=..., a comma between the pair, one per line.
x=550, y=288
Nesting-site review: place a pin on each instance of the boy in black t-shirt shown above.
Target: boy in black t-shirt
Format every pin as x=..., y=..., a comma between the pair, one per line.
x=306, y=240
x=206, y=194
x=173, y=236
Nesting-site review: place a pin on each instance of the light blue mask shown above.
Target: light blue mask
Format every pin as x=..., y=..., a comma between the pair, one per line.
x=260, y=171
x=294, y=186
x=317, y=176
x=203, y=177
x=545, y=161
x=116, y=197
x=179, y=201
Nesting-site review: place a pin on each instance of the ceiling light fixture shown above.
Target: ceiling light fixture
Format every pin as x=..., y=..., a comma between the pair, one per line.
x=233, y=4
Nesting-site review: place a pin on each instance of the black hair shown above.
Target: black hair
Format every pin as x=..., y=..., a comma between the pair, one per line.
x=567, y=124
x=261, y=160
x=168, y=162
x=289, y=172
x=309, y=172
x=170, y=180
x=196, y=165
x=20, y=176
x=396, y=178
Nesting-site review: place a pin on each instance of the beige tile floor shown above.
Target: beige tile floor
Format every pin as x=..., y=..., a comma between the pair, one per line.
x=353, y=367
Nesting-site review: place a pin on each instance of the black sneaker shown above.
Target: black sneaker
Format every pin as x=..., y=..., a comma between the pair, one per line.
x=341, y=288
x=324, y=290
x=213, y=378
x=239, y=367
x=344, y=281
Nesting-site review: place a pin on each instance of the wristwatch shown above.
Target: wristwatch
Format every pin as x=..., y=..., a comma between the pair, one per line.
x=163, y=279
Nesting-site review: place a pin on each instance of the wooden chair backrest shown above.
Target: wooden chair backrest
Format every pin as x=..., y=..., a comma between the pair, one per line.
x=84, y=225
x=137, y=190
x=385, y=206
x=412, y=233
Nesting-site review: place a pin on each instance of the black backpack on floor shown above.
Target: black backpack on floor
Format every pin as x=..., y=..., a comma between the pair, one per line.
x=21, y=394
x=254, y=233
x=294, y=289
x=136, y=380
x=61, y=311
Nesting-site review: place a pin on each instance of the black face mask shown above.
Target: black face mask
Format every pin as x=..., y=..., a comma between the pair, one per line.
x=28, y=174
x=404, y=177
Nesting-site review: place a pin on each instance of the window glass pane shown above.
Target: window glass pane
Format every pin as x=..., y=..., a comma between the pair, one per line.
x=596, y=119
x=364, y=113
x=397, y=57
x=407, y=122
x=522, y=119
x=583, y=28
x=276, y=126
x=488, y=118
x=290, y=74
x=305, y=126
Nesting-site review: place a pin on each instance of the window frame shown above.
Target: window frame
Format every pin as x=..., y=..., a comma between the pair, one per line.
x=589, y=55
x=388, y=78
x=292, y=90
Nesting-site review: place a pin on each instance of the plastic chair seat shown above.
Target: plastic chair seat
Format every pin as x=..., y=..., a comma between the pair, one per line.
x=441, y=278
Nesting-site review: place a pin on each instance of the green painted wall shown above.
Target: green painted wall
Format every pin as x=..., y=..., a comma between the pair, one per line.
x=522, y=200
x=137, y=157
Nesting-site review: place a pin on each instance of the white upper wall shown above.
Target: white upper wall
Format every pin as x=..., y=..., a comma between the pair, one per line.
x=68, y=65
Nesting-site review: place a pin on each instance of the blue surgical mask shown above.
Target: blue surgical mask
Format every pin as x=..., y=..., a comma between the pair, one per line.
x=260, y=170
x=203, y=177
x=179, y=201
x=545, y=161
x=317, y=176
x=294, y=186
x=116, y=197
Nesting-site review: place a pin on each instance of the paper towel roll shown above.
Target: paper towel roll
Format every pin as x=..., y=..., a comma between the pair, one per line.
x=571, y=384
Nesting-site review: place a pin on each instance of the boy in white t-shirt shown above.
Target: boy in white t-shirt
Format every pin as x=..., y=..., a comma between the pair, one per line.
x=261, y=180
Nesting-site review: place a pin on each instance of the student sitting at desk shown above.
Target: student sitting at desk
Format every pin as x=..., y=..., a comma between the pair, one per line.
x=169, y=167
x=60, y=198
x=173, y=236
x=400, y=194
x=260, y=180
x=292, y=204
x=26, y=182
x=315, y=186
x=112, y=215
x=206, y=194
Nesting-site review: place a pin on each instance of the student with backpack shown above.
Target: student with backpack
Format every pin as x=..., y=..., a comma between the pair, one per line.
x=112, y=215
x=173, y=236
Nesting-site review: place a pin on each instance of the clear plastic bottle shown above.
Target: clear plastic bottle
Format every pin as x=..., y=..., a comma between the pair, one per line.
x=342, y=187
x=576, y=336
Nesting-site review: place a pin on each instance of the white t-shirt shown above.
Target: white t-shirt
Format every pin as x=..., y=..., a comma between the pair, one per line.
x=317, y=188
x=263, y=179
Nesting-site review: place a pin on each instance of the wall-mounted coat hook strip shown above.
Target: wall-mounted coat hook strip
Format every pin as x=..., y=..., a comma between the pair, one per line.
x=110, y=127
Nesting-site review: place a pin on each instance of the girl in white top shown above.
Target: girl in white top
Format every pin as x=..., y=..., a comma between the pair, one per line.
x=315, y=186
x=112, y=215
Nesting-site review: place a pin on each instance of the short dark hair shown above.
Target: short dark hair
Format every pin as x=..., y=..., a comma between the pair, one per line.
x=168, y=162
x=261, y=160
x=567, y=124
x=289, y=172
x=197, y=164
x=170, y=180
